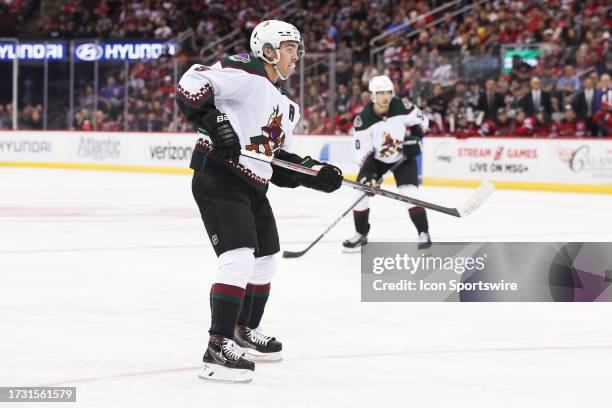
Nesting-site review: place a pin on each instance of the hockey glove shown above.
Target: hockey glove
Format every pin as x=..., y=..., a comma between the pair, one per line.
x=371, y=180
x=226, y=145
x=411, y=146
x=367, y=173
x=328, y=179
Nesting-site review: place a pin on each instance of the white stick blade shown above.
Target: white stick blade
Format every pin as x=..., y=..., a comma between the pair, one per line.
x=482, y=193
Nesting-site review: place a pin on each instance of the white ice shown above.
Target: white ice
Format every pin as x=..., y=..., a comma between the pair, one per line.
x=104, y=281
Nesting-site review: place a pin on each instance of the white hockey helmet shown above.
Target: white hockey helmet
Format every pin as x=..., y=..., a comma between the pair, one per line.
x=381, y=83
x=272, y=33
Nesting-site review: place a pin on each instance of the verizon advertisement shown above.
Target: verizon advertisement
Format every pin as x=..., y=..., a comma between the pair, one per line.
x=140, y=151
x=553, y=161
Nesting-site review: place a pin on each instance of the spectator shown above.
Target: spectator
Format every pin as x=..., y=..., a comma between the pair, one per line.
x=80, y=122
x=585, y=105
x=501, y=125
x=438, y=103
x=342, y=99
x=536, y=100
x=343, y=73
x=603, y=119
x=154, y=123
x=490, y=101
x=87, y=100
x=5, y=119
x=605, y=90
x=548, y=77
x=163, y=31
x=459, y=91
x=571, y=125
x=541, y=125
x=31, y=118
x=461, y=127
x=167, y=87
x=131, y=124
x=444, y=73
x=520, y=69
x=503, y=87
x=569, y=82
x=105, y=123
x=473, y=94
x=111, y=94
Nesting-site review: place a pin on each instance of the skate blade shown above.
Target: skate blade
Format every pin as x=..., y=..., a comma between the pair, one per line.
x=257, y=357
x=355, y=250
x=217, y=373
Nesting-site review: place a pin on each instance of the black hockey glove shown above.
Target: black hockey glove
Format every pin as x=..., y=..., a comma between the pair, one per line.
x=411, y=146
x=226, y=145
x=328, y=179
x=371, y=180
x=367, y=173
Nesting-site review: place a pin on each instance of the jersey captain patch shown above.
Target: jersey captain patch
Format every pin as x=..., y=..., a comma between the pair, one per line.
x=272, y=137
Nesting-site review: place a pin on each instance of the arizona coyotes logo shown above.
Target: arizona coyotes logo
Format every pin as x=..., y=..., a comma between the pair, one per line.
x=389, y=146
x=272, y=137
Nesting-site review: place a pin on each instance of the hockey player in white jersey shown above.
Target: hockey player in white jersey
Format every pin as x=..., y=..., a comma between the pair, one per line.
x=386, y=131
x=238, y=104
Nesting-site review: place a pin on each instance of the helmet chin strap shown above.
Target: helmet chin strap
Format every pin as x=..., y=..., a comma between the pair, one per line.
x=274, y=64
x=281, y=76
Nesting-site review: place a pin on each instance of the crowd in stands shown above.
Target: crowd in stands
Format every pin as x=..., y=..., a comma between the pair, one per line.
x=427, y=66
x=16, y=7
x=13, y=13
x=149, y=96
x=30, y=117
x=160, y=19
x=426, y=61
x=6, y=114
x=563, y=106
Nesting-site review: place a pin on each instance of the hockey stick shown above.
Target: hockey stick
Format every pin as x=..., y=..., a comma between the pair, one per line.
x=479, y=196
x=291, y=254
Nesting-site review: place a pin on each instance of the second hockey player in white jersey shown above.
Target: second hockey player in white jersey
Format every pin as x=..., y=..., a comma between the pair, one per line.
x=385, y=132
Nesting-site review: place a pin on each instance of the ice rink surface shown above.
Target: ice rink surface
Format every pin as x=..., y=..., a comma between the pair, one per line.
x=104, y=281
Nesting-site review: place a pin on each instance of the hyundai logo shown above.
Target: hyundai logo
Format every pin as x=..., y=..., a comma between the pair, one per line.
x=89, y=52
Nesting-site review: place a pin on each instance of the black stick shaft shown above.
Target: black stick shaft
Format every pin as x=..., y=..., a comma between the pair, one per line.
x=358, y=186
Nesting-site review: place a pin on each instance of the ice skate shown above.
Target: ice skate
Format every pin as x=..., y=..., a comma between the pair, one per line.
x=355, y=243
x=223, y=361
x=257, y=346
x=424, y=240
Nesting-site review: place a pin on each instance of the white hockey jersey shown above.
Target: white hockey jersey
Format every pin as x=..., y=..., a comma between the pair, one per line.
x=261, y=113
x=384, y=136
